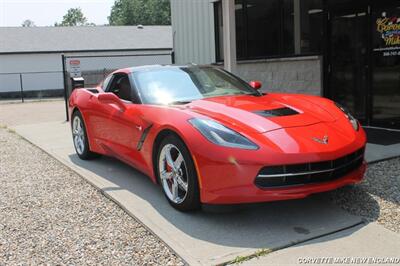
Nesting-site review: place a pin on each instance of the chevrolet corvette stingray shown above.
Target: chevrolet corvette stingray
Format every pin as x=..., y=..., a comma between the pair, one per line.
x=207, y=136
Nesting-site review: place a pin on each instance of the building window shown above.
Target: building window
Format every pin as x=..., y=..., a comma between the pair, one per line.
x=218, y=28
x=265, y=30
x=273, y=28
x=311, y=19
x=240, y=29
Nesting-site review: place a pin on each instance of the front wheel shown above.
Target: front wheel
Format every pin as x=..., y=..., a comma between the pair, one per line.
x=79, y=136
x=177, y=174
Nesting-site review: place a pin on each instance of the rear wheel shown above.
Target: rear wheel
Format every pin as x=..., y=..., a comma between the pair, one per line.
x=177, y=174
x=80, y=138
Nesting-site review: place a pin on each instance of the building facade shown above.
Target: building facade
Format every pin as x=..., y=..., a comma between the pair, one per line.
x=346, y=50
x=32, y=64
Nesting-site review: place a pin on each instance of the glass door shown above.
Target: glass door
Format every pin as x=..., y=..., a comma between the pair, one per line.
x=386, y=67
x=348, y=57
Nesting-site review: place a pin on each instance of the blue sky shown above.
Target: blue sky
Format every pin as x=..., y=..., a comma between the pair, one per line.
x=46, y=12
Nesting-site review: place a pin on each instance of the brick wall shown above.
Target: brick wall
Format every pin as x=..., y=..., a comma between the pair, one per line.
x=292, y=75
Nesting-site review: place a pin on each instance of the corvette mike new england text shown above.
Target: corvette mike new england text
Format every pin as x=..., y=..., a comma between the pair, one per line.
x=349, y=260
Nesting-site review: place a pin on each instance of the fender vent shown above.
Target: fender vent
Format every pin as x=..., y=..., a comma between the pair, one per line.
x=285, y=111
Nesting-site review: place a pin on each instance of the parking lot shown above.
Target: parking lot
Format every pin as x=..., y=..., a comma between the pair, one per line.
x=60, y=209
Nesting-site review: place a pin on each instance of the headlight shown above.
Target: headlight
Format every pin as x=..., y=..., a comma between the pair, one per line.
x=351, y=118
x=221, y=135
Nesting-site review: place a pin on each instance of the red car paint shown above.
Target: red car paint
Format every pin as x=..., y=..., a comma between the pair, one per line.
x=227, y=175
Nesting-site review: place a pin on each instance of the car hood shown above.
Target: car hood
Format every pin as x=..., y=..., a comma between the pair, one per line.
x=263, y=113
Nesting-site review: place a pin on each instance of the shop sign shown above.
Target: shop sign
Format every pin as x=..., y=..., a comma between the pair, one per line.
x=389, y=30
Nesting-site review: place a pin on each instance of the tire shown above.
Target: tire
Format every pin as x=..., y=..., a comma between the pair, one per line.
x=80, y=139
x=179, y=183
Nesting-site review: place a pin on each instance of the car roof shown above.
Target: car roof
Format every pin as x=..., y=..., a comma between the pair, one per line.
x=155, y=67
x=129, y=70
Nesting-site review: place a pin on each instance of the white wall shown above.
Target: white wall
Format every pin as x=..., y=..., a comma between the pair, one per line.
x=128, y=60
x=30, y=66
x=30, y=63
x=193, y=31
x=44, y=71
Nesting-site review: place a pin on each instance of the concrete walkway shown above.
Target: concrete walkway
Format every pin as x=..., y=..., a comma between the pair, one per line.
x=361, y=242
x=377, y=153
x=202, y=238
x=12, y=114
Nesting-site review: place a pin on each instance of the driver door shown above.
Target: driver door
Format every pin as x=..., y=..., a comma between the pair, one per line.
x=119, y=131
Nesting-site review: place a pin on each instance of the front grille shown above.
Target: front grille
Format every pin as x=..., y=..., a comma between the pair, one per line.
x=308, y=173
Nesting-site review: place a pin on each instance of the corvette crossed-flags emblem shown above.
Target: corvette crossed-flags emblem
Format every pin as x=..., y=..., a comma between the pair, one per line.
x=324, y=140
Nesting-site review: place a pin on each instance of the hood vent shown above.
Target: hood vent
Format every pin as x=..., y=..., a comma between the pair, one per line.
x=285, y=111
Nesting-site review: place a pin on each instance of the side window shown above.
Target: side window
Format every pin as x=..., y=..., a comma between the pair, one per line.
x=106, y=82
x=120, y=86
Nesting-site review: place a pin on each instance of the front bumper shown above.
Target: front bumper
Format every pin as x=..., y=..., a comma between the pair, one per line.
x=251, y=193
x=227, y=175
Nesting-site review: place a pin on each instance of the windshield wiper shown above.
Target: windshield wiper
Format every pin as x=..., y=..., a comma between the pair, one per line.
x=257, y=93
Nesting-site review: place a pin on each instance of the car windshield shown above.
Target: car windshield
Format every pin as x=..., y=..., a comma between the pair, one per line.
x=171, y=85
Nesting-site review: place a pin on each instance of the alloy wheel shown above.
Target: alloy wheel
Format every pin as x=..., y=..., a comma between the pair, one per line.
x=173, y=173
x=78, y=134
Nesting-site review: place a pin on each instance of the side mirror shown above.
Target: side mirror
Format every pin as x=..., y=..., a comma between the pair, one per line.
x=110, y=97
x=77, y=83
x=255, y=84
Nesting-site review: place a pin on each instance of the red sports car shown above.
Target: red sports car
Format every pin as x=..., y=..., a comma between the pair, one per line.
x=206, y=136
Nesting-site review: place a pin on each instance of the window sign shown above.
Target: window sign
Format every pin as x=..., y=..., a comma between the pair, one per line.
x=388, y=34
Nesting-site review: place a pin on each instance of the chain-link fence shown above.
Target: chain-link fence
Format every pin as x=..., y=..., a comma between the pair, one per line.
x=31, y=85
x=94, y=68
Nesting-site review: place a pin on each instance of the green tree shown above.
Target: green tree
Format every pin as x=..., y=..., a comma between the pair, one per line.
x=74, y=17
x=145, y=12
x=28, y=23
